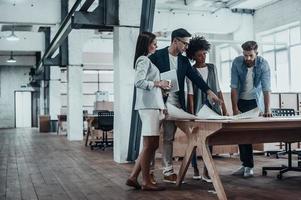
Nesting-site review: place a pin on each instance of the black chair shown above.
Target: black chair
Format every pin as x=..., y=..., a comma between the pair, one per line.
x=278, y=112
x=288, y=150
x=105, y=122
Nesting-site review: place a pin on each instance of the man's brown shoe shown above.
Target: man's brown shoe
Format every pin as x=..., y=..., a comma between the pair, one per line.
x=170, y=179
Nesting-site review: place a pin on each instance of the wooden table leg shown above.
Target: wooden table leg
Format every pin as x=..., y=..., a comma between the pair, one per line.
x=87, y=137
x=197, y=137
x=208, y=161
x=185, y=164
x=192, y=141
x=88, y=132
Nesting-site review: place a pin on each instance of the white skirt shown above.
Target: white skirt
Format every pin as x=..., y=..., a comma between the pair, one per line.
x=150, y=121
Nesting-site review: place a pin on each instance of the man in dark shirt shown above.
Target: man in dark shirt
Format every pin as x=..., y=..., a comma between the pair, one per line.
x=171, y=58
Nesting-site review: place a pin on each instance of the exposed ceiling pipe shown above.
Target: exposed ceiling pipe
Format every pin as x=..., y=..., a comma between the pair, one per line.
x=225, y=4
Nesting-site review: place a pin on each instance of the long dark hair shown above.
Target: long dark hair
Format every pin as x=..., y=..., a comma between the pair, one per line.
x=143, y=42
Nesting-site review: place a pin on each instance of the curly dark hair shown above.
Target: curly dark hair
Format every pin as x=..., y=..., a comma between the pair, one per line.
x=197, y=43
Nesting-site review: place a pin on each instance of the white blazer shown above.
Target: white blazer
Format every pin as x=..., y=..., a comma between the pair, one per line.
x=147, y=95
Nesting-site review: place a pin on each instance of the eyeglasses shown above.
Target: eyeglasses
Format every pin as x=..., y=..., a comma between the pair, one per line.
x=183, y=42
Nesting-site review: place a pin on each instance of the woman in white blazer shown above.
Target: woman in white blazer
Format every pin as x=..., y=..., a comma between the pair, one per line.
x=150, y=105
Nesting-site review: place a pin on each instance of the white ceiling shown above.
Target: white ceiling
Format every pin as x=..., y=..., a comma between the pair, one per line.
x=254, y=4
x=186, y=5
x=211, y=5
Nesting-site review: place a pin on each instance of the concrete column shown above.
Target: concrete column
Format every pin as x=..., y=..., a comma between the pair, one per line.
x=123, y=52
x=74, y=87
x=54, y=92
x=74, y=103
x=77, y=40
x=124, y=47
x=42, y=112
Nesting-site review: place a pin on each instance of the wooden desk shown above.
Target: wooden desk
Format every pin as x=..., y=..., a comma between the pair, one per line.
x=90, y=119
x=202, y=133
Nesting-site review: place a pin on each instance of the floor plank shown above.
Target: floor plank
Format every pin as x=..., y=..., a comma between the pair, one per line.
x=44, y=166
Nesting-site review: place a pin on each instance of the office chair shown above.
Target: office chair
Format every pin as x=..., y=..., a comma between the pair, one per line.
x=283, y=169
x=281, y=112
x=105, y=123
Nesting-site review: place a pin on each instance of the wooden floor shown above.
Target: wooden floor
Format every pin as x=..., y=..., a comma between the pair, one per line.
x=43, y=166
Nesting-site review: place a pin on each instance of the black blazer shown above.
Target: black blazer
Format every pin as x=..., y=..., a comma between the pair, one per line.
x=161, y=59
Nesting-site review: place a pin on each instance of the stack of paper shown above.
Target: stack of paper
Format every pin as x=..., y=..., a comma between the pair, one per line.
x=206, y=113
x=177, y=113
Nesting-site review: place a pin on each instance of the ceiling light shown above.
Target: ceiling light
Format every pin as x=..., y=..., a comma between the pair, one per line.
x=12, y=36
x=11, y=58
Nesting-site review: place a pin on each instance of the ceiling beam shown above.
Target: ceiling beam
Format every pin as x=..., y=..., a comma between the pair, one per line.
x=86, y=5
x=61, y=34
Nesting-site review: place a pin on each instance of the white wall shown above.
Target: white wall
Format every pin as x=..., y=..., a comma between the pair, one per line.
x=29, y=41
x=130, y=13
x=11, y=79
x=246, y=29
x=21, y=60
x=98, y=53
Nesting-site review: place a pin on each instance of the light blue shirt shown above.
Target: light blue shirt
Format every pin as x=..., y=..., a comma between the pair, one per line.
x=261, y=78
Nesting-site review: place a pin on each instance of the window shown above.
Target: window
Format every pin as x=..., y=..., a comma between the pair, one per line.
x=282, y=71
x=295, y=62
x=227, y=54
x=270, y=57
x=93, y=81
x=281, y=49
x=295, y=35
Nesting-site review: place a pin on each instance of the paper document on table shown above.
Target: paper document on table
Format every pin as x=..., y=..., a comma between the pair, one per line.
x=246, y=115
x=207, y=113
x=173, y=78
x=178, y=113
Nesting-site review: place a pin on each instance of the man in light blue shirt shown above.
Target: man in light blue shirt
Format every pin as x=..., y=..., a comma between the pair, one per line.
x=250, y=88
